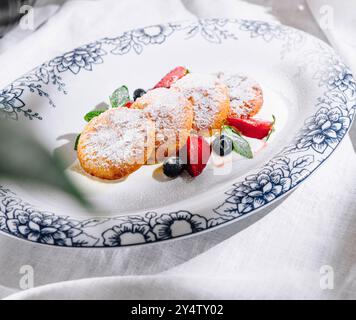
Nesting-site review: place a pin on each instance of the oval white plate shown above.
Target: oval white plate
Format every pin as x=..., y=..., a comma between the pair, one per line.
x=306, y=86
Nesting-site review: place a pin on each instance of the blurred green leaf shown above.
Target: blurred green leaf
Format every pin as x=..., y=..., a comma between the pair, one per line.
x=23, y=158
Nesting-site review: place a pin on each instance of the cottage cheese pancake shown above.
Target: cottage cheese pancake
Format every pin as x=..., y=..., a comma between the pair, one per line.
x=246, y=97
x=210, y=99
x=116, y=143
x=172, y=113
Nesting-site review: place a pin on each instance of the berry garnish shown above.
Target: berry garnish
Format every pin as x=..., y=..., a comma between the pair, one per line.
x=172, y=77
x=138, y=93
x=222, y=145
x=198, y=154
x=128, y=104
x=252, y=128
x=173, y=167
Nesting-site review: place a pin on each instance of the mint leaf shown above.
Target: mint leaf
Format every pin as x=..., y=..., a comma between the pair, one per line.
x=230, y=131
x=120, y=97
x=76, y=142
x=273, y=128
x=92, y=114
x=240, y=145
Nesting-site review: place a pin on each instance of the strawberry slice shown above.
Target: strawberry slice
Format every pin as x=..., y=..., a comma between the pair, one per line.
x=198, y=155
x=172, y=77
x=128, y=104
x=252, y=128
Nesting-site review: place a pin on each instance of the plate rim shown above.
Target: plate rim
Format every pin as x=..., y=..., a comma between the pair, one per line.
x=251, y=26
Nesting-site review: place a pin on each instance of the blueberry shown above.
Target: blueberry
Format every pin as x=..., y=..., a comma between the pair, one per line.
x=222, y=145
x=138, y=93
x=173, y=167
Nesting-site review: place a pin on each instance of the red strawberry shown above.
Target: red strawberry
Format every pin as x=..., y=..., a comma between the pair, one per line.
x=128, y=104
x=198, y=154
x=252, y=128
x=172, y=77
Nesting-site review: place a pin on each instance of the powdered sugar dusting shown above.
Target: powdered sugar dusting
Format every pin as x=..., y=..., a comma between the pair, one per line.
x=242, y=90
x=197, y=80
x=162, y=98
x=117, y=137
x=170, y=110
x=207, y=93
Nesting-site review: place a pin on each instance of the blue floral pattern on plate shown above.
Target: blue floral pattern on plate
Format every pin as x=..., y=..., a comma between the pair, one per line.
x=314, y=143
x=82, y=58
x=115, y=236
x=275, y=179
x=10, y=103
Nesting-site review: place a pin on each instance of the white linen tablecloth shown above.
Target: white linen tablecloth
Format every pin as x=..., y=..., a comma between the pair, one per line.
x=282, y=255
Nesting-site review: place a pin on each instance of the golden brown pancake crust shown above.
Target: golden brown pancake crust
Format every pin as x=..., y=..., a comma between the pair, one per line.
x=172, y=113
x=210, y=99
x=116, y=143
